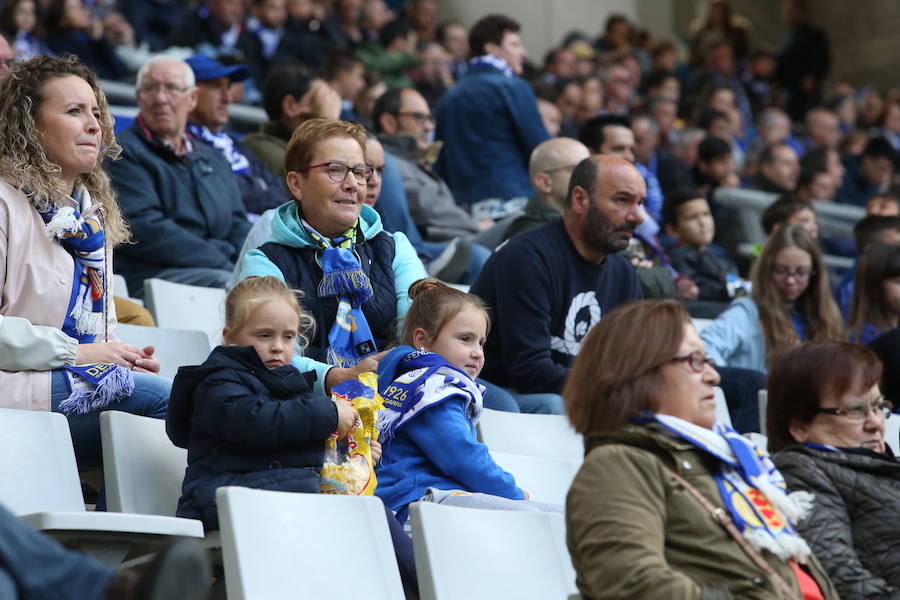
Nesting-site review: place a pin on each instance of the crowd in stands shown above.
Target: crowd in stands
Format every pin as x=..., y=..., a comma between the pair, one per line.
x=581, y=198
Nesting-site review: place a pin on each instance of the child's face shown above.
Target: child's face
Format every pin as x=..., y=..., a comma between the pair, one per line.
x=461, y=341
x=882, y=206
x=695, y=224
x=806, y=218
x=271, y=328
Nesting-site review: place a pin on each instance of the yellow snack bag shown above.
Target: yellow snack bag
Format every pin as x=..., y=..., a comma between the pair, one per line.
x=348, y=467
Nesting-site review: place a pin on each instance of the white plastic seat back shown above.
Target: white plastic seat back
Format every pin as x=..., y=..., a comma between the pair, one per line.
x=547, y=436
x=892, y=433
x=174, y=347
x=545, y=479
x=489, y=554
x=763, y=407
x=179, y=306
x=279, y=545
x=38, y=471
x=120, y=287
x=722, y=414
x=143, y=470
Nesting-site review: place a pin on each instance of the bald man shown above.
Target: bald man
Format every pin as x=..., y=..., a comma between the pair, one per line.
x=550, y=168
x=549, y=287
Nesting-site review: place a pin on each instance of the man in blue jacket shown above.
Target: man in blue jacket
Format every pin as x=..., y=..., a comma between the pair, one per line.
x=178, y=194
x=489, y=123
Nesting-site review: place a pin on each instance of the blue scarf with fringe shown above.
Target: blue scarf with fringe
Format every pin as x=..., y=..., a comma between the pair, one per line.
x=79, y=232
x=750, y=487
x=349, y=339
x=411, y=381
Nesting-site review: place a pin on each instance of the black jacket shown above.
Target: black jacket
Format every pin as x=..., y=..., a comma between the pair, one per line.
x=246, y=425
x=853, y=526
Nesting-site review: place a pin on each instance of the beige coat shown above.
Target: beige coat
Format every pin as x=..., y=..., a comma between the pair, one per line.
x=634, y=532
x=36, y=277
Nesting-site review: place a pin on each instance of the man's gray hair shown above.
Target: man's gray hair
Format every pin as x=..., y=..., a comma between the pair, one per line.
x=189, y=79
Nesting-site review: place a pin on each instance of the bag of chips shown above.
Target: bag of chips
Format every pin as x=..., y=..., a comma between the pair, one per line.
x=348, y=467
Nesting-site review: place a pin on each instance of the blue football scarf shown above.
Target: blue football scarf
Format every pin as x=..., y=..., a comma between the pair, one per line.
x=80, y=233
x=224, y=144
x=751, y=488
x=411, y=381
x=350, y=339
x=489, y=61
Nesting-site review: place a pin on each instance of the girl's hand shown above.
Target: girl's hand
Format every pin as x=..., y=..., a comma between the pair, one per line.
x=147, y=363
x=337, y=375
x=347, y=417
x=376, y=450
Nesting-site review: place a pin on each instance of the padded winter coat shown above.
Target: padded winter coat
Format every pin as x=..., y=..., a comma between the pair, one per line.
x=854, y=527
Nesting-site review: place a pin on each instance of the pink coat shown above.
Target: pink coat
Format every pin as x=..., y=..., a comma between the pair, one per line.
x=36, y=276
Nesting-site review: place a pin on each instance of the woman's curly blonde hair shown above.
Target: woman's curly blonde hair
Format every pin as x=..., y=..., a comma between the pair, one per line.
x=22, y=155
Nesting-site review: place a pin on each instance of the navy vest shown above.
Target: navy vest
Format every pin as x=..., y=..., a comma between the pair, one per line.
x=302, y=272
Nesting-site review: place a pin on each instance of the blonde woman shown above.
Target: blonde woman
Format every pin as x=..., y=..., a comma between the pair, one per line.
x=58, y=224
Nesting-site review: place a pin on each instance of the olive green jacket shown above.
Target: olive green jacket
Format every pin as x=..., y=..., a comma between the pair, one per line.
x=269, y=145
x=634, y=532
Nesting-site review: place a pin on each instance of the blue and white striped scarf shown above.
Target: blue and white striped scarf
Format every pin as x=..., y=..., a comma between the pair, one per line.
x=79, y=232
x=751, y=487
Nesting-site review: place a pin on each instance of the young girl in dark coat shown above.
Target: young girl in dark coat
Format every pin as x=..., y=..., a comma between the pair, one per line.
x=246, y=415
x=249, y=418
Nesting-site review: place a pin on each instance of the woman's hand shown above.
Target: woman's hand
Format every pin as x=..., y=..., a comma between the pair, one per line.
x=376, y=450
x=117, y=353
x=347, y=417
x=337, y=375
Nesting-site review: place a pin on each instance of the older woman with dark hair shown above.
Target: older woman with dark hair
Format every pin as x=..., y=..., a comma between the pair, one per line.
x=59, y=221
x=826, y=421
x=327, y=243
x=658, y=466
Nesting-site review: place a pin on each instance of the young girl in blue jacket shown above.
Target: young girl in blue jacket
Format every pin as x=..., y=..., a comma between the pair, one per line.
x=427, y=430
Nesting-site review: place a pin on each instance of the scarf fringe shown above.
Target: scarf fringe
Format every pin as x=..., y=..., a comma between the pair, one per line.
x=352, y=282
x=784, y=547
x=118, y=384
x=339, y=360
x=86, y=320
x=62, y=222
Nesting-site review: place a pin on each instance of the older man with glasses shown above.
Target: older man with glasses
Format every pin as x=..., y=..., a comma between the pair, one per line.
x=178, y=194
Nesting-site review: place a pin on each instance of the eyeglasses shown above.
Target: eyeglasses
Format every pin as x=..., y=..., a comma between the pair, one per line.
x=564, y=168
x=419, y=117
x=375, y=170
x=695, y=360
x=337, y=171
x=170, y=90
x=801, y=274
x=859, y=412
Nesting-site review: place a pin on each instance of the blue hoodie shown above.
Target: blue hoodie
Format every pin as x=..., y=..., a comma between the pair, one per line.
x=437, y=448
x=289, y=231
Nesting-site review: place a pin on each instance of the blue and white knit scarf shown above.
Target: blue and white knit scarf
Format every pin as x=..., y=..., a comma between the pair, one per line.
x=750, y=486
x=492, y=62
x=224, y=144
x=350, y=339
x=425, y=379
x=80, y=233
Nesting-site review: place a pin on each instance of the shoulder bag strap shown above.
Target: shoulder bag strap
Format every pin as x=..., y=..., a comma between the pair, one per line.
x=721, y=516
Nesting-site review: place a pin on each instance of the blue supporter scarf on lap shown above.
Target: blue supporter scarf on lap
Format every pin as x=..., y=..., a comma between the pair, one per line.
x=80, y=233
x=751, y=488
x=349, y=339
x=411, y=381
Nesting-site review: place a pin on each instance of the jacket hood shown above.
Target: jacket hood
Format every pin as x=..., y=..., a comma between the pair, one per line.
x=281, y=382
x=289, y=231
x=648, y=437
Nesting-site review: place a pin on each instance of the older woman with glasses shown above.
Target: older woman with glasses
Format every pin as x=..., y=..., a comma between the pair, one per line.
x=791, y=303
x=826, y=425
x=646, y=515
x=354, y=275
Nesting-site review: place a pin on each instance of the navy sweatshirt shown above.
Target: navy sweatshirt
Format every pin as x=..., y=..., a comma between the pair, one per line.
x=544, y=297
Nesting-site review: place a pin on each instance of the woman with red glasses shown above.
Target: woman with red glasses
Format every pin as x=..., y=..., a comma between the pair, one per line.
x=826, y=426
x=646, y=513
x=354, y=275
x=791, y=303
